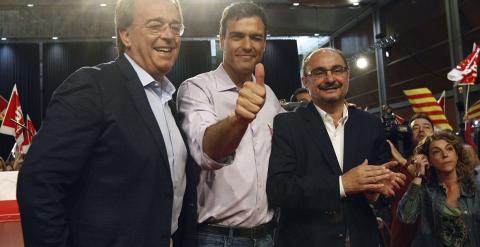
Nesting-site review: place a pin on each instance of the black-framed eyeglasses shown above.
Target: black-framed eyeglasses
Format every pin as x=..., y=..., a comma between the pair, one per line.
x=321, y=73
x=157, y=27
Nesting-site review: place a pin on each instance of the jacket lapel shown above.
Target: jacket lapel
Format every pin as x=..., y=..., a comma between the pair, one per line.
x=320, y=137
x=140, y=101
x=351, y=142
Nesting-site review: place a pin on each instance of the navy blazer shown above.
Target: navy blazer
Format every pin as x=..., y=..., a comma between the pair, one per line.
x=97, y=173
x=303, y=179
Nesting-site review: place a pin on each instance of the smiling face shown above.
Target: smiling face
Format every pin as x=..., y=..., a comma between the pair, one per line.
x=156, y=52
x=243, y=46
x=331, y=88
x=442, y=156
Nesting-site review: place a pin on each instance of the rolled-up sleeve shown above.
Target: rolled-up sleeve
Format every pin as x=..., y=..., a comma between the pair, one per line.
x=410, y=205
x=195, y=105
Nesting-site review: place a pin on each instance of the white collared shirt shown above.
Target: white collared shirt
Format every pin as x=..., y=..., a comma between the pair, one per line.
x=337, y=137
x=158, y=95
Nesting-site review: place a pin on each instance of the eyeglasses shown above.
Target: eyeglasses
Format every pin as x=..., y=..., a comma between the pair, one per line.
x=321, y=73
x=157, y=27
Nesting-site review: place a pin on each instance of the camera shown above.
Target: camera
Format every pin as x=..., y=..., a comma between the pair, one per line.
x=398, y=133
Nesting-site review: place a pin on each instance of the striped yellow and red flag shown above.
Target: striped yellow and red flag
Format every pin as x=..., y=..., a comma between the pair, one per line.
x=422, y=101
x=473, y=113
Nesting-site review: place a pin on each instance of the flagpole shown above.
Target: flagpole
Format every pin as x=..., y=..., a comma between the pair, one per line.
x=21, y=125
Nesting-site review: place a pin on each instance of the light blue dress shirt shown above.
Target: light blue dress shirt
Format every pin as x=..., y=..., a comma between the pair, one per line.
x=158, y=95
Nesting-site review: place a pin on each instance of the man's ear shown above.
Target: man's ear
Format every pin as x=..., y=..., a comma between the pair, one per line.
x=125, y=37
x=222, y=39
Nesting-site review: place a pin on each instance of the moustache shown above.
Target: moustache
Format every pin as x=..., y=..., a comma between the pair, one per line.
x=330, y=85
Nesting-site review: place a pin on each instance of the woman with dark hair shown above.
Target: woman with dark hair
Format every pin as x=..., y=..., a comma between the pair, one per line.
x=443, y=193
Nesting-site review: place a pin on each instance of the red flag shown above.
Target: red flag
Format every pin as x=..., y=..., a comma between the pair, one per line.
x=13, y=122
x=28, y=135
x=466, y=71
x=398, y=119
x=3, y=107
x=441, y=101
x=469, y=135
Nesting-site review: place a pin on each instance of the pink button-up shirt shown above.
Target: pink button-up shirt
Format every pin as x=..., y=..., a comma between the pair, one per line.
x=234, y=195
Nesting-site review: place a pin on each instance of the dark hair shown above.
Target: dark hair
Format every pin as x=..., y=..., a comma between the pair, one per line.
x=124, y=12
x=306, y=60
x=293, y=98
x=240, y=10
x=464, y=168
x=420, y=115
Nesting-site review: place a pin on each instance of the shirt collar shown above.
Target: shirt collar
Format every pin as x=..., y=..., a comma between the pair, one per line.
x=324, y=114
x=224, y=82
x=146, y=79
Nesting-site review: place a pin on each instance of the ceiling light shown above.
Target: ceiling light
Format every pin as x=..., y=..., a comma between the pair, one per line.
x=103, y=5
x=361, y=62
x=114, y=37
x=316, y=34
x=387, y=54
x=54, y=37
x=296, y=4
x=30, y=5
x=3, y=38
x=356, y=4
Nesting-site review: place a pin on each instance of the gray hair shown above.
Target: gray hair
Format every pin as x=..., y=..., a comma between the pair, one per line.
x=124, y=12
x=306, y=60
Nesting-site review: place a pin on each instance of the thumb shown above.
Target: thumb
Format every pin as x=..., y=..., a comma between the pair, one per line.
x=364, y=163
x=260, y=74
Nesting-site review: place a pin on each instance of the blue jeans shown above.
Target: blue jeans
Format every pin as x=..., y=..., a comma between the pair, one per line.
x=214, y=240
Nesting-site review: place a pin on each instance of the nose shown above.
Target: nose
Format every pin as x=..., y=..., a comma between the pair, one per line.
x=329, y=76
x=167, y=33
x=247, y=43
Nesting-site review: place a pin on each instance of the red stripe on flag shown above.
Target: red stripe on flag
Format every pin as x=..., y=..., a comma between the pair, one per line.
x=440, y=121
x=430, y=113
x=427, y=104
x=419, y=96
x=9, y=211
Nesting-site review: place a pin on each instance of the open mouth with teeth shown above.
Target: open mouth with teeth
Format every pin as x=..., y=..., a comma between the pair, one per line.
x=330, y=86
x=164, y=49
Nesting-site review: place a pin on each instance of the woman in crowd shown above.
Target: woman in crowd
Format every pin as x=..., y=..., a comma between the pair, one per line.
x=443, y=193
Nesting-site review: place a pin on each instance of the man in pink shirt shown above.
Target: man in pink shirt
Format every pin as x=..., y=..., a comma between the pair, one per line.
x=227, y=115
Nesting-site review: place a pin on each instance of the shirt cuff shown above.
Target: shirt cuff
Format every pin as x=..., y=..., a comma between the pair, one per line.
x=342, y=191
x=228, y=160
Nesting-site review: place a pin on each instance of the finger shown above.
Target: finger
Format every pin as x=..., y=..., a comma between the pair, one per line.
x=260, y=74
x=371, y=170
x=248, y=105
x=249, y=95
x=243, y=113
x=390, y=164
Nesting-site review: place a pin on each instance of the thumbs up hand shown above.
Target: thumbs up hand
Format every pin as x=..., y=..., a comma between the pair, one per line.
x=252, y=96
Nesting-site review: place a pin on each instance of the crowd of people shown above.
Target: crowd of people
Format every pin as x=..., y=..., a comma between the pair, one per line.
x=119, y=162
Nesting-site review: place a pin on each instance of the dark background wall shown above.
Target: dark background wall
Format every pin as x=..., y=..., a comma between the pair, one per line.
x=39, y=68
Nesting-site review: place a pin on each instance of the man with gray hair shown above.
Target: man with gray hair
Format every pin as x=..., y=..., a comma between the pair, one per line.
x=107, y=168
x=327, y=162
x=227, y=115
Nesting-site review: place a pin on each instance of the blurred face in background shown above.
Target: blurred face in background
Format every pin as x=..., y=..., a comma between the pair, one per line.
x=421, y=128
x=442, y=156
